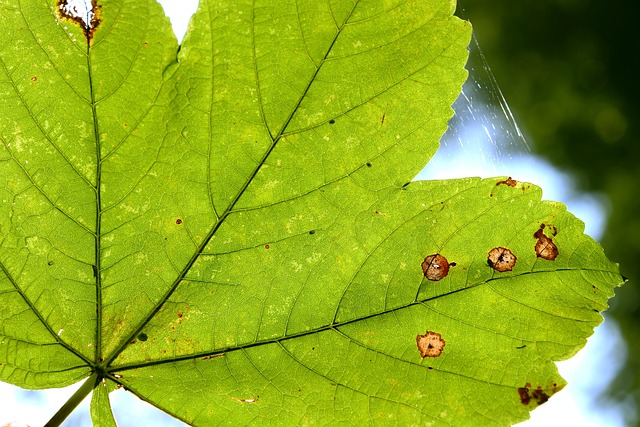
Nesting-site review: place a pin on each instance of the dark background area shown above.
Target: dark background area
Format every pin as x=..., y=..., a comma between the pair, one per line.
x=568, y=69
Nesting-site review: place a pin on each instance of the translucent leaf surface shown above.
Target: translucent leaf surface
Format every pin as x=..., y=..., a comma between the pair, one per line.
x=230, y=231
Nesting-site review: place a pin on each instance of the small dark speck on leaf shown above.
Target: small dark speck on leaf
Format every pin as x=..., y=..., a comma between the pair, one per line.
x=266, y=246
x=50, y=263
x=369, y=165
x=142, y=336
x=331, y=121
x=520, y=347
x=430, y=344
x=145, y=44
x=501, y=259
x=312, y=231
x=178, y=221
x=34, y=79
x=435, y=267
x=406, y=184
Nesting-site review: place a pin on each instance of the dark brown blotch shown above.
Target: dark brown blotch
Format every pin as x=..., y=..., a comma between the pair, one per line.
x=501, y=259
x=509, y=181
x=435, y=267
x=538, y=395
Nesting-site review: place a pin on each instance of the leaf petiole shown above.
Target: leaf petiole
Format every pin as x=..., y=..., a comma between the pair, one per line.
x=74, y=401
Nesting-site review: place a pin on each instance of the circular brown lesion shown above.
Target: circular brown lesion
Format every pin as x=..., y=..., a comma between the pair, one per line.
x=431, y=344
x=435, y=267
x=501, y=259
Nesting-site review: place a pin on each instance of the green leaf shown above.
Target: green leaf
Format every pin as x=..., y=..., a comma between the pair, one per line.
x=100, y=409
x=232, y=235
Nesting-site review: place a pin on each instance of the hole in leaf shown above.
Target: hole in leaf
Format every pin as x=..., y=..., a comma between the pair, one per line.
x=82, y=12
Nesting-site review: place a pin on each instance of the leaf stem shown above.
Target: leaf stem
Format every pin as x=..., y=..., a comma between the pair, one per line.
x=74, y=401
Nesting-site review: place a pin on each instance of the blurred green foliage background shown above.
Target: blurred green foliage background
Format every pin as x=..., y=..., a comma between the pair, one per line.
x=568, y=69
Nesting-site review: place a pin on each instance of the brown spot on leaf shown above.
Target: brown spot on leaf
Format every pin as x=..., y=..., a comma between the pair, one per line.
x=537, y=395
x=213, y=356
x=34, y=79
x=435, y=267
x=525, y=397
x=267, y=246
x=430, y=344
x=178, y=221
x=545, y=248
x=501, y=259
x=510, y=182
